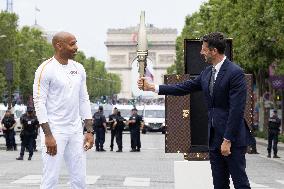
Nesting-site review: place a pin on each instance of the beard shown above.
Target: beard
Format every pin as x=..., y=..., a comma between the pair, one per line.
x=208, y=59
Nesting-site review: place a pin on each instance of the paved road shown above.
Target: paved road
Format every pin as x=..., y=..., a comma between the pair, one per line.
x=149, y=169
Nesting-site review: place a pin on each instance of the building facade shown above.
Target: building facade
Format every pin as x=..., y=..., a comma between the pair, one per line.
x=121, y=56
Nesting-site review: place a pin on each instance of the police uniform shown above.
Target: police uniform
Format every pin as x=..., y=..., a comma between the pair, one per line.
x=8, y=122
x=119, y=130
x=29, y=131
x=99, y=121
x=273, y=131
x=111, y=119
x=135, y=132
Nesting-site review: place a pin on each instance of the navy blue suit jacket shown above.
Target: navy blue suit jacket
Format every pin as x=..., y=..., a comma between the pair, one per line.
x=225, y=107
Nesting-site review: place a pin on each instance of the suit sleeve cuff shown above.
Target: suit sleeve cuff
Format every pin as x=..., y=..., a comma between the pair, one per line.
x=227, y=140
x=156, y=88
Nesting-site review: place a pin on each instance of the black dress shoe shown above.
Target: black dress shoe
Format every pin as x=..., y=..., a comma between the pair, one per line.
x=30, y=158
x=276, y=156
x=111, y=149
x=138, y=150
x=269, y=155
x=132, y=150
x=102, y=150
x=118, y=150
x=20, y=158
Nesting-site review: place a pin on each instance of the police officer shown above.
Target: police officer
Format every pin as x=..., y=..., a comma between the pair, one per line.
x=111, y=120
x=119, y=126
x=273, y=131
x=99, y=124
x=252, y=142
x=135, y=122
x=8, y=123
x=28, y=133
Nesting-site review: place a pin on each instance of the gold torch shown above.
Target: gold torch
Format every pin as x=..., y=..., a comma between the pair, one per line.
x=142, y=46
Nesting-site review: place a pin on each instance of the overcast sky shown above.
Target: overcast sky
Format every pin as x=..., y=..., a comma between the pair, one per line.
x=89, y=20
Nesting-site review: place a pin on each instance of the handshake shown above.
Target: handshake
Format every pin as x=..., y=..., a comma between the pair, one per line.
x=144, y=84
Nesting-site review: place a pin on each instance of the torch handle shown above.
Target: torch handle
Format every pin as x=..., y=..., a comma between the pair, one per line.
x=142, y=71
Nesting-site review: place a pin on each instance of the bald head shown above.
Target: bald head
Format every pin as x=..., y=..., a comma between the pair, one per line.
x=61, y=37
x=65, y=45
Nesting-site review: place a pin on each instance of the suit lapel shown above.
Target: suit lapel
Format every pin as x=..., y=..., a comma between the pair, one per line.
x=207, y=81
x=220, y=75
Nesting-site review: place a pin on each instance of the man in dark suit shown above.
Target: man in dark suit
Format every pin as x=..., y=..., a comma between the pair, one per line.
x=224, y=88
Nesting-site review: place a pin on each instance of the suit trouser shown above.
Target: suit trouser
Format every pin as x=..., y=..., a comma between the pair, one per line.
x=234, y=164
x=69, y=148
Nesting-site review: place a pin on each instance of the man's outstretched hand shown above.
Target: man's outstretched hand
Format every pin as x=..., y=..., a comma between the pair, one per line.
x=144, y=85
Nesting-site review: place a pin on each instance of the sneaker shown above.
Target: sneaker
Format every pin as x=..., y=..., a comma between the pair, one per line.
x=30, y=158
x=269, y=155
x=276, y=156
x=20, y=158
x=119, y=150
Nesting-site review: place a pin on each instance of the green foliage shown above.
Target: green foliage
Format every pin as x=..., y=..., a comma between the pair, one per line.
x=27, y=48
x=99, y=82
x=261, y=134
x=281, y=138
x=257, y=29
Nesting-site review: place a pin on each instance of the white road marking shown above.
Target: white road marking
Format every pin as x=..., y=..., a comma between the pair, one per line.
x=29, y=179
x=255, y=185
x=92, y=179
x=280, y=181
x=133, y=181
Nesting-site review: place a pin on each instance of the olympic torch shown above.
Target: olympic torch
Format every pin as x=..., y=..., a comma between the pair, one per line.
x=142, y=46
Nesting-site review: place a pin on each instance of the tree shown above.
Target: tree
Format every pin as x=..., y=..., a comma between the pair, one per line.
x=27, y=48
x=99, y=82
x=255, y=26
x=8, y=31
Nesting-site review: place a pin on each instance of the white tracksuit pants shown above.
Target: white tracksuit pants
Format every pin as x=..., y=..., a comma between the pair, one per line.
x=70, y=148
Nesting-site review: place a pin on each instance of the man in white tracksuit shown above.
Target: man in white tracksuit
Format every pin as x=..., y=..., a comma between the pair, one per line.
x=61, y=101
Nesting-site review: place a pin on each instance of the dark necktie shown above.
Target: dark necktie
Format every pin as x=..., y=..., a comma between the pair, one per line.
x=212, y=80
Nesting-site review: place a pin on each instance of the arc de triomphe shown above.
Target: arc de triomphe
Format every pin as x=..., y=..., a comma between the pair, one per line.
x=121, y=54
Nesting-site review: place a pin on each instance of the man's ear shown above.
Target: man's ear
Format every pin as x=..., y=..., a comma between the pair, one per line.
x=58, y=45
x=215, y=51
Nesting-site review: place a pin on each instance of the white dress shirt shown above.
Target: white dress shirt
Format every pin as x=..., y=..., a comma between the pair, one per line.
x=218, y=66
